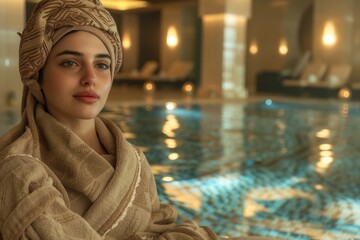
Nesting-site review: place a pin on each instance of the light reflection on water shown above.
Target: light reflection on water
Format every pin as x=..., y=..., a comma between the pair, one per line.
x=262, y=169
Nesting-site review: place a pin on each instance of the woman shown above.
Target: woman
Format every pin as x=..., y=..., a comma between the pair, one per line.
x=66, y=173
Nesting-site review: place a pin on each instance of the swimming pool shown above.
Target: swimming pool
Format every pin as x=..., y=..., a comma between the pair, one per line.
x=263, y=168
x=285, y=170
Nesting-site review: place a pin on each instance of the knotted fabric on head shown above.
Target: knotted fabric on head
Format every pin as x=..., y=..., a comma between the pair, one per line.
x=50, y=21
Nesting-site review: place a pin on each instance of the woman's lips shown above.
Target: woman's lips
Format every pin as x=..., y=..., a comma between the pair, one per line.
x=87, y=97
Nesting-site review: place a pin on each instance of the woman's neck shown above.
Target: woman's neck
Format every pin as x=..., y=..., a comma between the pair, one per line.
x=86, y=130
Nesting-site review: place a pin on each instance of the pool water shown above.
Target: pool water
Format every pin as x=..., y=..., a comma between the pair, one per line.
x=274, y=169
x=271, y=169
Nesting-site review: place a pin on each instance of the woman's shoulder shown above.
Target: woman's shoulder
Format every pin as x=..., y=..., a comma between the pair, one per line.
x=17, y=142
x=20, y=167
x=13, y=162
x=19, y=151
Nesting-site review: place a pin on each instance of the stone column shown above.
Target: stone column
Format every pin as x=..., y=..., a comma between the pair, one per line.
x=224, y=47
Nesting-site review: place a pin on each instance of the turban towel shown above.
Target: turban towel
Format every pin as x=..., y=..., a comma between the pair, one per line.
x=50, y=21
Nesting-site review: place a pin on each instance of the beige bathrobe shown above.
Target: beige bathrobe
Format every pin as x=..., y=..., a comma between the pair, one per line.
x=67, y=191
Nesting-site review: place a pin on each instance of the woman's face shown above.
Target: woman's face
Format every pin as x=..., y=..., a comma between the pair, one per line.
x=76, y=78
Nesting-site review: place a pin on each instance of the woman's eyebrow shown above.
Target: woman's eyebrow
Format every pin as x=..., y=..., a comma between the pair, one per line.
x=69, y=52
x=103, y=55
x=75, y=53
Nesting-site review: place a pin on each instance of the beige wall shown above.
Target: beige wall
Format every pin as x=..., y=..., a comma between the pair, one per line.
x=292, y=18
x=170, y=16
x=130, y=32
x=12, y=17
x=344, y=18
x=183, y=18
x=271, y=21
x=355, y=57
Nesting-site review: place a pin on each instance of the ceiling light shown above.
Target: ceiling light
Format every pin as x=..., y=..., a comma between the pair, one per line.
x=116, y=4
x=124, y=5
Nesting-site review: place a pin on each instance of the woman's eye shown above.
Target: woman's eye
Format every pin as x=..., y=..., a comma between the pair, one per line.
x=103, y=66
x=68, y=63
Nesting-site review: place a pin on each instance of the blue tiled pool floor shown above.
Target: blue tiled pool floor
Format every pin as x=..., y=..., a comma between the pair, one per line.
x=282, y=170
x=271, y=169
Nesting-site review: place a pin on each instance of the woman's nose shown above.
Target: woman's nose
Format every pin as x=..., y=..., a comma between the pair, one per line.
x=88, y=76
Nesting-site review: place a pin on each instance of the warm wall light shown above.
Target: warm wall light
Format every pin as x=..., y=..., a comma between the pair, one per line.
x=283, y=47
x=126, y=41
x=253, y=49
x=172, y=37
x=329, y=36
x=124, y=5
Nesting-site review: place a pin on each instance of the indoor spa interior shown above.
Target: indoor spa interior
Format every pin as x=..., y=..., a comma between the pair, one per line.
x=248, y=111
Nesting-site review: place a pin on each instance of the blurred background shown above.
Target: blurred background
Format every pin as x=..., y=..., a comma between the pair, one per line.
x=229, y=48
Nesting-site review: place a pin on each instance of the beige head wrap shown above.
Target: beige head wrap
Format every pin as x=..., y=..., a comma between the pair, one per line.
x=50, y=21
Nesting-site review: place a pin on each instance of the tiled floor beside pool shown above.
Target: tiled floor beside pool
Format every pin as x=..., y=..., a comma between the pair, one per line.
x=275, y=169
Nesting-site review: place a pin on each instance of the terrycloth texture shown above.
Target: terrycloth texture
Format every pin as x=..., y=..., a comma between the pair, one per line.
x=71, y=192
